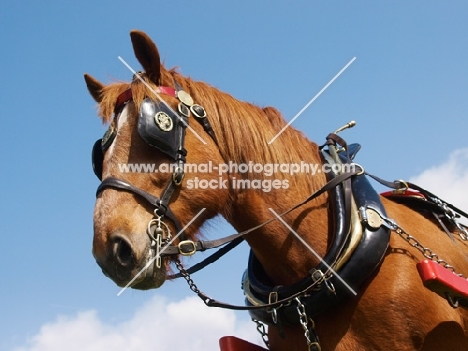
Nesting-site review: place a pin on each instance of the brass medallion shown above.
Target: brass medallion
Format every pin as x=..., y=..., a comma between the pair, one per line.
x=373, y=218
x=163, y=121
x=184, y=98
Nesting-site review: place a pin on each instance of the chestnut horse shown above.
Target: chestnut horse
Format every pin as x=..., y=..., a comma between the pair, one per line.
x=391, y=309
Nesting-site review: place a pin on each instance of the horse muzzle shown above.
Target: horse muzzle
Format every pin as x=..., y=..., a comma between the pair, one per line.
x=131, y=263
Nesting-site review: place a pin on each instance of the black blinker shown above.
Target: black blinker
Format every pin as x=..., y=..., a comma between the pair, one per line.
x=99, y=147
x=161, y=127
x=97, y=157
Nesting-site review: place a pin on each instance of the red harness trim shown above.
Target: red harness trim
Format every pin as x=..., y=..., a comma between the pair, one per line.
x=441, y=280
x=404, y=193
x=127, y=95
x=231, y=343
x=123, y=98
x=168, y=91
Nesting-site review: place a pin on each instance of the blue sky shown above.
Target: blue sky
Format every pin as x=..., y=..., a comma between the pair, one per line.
x=407, y=90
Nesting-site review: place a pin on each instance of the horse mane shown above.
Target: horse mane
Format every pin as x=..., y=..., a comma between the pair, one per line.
x=243, y=129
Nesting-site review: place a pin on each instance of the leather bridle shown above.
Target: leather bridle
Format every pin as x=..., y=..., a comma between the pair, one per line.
x=162, y=210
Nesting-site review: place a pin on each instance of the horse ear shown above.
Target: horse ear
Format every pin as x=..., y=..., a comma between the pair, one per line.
x=94, y=87
x=147, y=54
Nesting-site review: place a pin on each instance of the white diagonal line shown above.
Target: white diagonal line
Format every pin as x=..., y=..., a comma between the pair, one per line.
x=159, y=254
x=160, y=99
x=311, y=101
x=313, y=251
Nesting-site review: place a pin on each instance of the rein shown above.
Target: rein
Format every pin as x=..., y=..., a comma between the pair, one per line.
x=235, y=239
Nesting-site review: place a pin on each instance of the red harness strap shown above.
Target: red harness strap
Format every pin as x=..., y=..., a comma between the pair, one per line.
x=231, y=343
x=127, y=95
x=402, y=194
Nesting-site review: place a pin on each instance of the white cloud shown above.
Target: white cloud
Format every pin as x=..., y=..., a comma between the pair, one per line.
x=158, y=325
x=448, y=180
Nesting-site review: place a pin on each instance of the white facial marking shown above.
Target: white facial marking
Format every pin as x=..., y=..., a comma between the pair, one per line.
x=121, y=121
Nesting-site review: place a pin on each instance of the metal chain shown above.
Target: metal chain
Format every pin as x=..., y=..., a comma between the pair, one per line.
x=186, y=276
x=463, y=232
x=453, y=217
x=304, y=320
x=262, y=331
x=411, y=240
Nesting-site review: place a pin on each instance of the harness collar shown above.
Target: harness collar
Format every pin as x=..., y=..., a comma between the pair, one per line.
x=321, y=288
x=354, y=263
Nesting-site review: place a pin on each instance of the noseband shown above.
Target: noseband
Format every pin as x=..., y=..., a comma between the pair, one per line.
x=164, y=129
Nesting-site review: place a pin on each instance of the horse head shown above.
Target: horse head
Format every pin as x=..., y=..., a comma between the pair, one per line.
x=139, y=210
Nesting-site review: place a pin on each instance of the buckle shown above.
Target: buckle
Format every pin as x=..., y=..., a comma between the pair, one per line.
x=273, y=298
x=317, y=276
x=187, y=248
x=178, y=175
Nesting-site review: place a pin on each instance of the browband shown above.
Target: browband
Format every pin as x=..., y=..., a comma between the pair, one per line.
x=127, y=95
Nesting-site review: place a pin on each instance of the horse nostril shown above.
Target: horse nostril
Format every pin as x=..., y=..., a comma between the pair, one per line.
x=122, y=252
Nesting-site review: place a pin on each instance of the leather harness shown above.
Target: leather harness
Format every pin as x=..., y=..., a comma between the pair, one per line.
x=350, y=192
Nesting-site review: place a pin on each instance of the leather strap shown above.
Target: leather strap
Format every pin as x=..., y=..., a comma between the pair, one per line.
x=328, y=186
x=122, y=99
x=201, y=245
x=400, y=185
x=116, y=183
x=210, y=259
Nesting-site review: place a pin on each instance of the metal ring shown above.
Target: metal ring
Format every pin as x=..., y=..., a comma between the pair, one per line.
x=404, y=183
x=314, y=346
x=149, y=231
x=453, y=301
x=136, y=75
x=330, y=286
x=274, y=315
x=362, y=169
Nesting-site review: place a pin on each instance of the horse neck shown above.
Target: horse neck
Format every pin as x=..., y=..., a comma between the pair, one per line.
x=244, y=131
x=284, y=257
